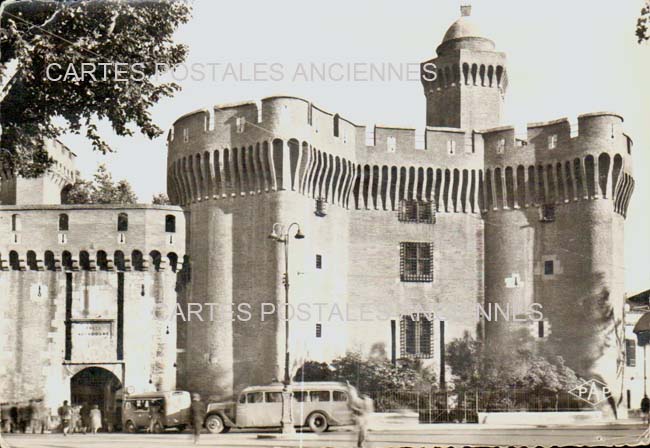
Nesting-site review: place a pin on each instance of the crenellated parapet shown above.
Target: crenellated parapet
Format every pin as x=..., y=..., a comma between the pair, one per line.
x=45, y=189
x=92, y=238
x=559, y=163
x=289, y=144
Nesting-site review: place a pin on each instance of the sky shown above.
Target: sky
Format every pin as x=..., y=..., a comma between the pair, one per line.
x=565, y=58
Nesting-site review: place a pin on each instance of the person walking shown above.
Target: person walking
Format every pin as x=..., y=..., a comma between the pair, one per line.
x=35, y=420
x=360, y=406
x=197, y=416
x=65, y=414
x=155, y=424
x=95, y=417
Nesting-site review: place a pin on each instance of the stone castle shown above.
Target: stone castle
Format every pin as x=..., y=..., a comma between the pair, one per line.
x=471, y=222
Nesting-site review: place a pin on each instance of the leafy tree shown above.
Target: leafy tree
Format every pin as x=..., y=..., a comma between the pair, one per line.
x=101, y=190
x=518, y=361
x=36, y=34
x=160, y=199
x=642, y=32
x=370, y=374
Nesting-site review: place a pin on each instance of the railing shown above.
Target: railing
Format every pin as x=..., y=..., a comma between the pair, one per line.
x=464, y=406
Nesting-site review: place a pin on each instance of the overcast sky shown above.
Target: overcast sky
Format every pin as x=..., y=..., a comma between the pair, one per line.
x=565, y=58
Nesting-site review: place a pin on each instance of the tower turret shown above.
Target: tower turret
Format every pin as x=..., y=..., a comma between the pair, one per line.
x=465, y=85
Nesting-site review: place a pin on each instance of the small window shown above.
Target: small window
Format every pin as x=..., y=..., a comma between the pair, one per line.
x=319, y=261
x=451, y=147
x=630, y=352
x=552, y=141
x=122, y=222
x=391, y=144
x=416, y=262
x=540, y=329
x=548, y=213
x=501, y=146
x=170, y=224
x=339, y=395
x=416, y=211
x=255, y=397
x=336, y=125
x=319, y=330
x=273, y=397
x=240, y=123
x=416, y=334
x=301, y=396
x=549, y=267
x=319, y=395
x=63, y=222
x=242, y=398
x=186, y=135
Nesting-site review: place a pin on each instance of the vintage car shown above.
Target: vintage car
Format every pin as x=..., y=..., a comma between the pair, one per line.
x=317, y=405
x=173, y=408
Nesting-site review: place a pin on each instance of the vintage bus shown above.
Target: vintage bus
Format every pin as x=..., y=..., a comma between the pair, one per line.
x=317, y=405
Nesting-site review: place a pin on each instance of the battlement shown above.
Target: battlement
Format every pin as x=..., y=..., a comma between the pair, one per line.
x=91, y=237
x=557, y=139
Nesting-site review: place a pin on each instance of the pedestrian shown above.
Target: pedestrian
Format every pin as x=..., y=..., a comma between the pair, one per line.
x=197, y=416
x=95, y=419
x=360, y=406
x=84, y=413
x=35, y=421
x=155, y=424
x=65, y=414
x=5, y=417
x=645, y=408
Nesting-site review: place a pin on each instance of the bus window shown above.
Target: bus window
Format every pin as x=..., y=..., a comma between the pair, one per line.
x=242, y=398
x=273, y=397
x=319, y=395
x=255, y=397
x=301, y=396
x=339, y=395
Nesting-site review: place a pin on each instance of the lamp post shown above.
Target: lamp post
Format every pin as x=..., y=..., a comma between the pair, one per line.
x=280, y=235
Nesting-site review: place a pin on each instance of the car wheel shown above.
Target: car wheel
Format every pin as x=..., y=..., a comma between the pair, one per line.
x=317, y=422
x=158, y=428
x=130, y=427
x=214, y=424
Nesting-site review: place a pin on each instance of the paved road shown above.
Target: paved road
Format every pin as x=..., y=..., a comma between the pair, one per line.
x=462, y=436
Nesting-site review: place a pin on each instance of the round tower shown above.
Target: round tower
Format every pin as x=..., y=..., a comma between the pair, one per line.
x=465, y=85
x=554, y=211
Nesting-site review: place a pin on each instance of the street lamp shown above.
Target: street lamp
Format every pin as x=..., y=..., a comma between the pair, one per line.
x=279, y=235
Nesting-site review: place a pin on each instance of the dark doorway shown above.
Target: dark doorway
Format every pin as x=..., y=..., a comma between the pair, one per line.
x=95, y=385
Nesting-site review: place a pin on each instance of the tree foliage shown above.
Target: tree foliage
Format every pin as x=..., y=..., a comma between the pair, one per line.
x=370, y=374
x=35, y=34
x=642, y=32
x=518, y=361
x=160, y=199
x=100, y=190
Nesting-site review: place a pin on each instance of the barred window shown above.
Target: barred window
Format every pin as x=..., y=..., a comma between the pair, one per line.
x=416, y=211
x=416, y=334
x=416, y=262
x=630, y=352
